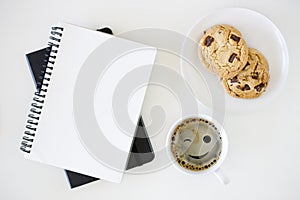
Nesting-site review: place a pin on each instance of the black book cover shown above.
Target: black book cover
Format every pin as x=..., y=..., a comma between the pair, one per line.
x=141, y=150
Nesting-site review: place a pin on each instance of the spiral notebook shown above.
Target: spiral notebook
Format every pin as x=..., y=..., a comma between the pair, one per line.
x=52, y=136
x=141, y=150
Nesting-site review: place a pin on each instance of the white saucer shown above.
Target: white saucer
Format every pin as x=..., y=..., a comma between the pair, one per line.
x=260, y=33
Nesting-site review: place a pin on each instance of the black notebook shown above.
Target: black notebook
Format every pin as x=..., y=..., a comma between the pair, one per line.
x=141, y=150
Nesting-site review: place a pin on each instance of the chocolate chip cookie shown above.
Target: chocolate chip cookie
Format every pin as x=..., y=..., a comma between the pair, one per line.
x=252, y=80
x=223, y=50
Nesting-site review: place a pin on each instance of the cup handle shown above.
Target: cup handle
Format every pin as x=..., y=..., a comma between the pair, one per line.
x=221, y=176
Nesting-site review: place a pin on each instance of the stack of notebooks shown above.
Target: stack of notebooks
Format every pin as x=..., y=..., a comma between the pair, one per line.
x=55, y=136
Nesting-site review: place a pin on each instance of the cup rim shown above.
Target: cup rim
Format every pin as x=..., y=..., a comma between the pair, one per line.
x=224, y=145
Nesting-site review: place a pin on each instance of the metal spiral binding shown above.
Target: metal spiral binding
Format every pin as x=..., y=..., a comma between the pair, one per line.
x=39, y=97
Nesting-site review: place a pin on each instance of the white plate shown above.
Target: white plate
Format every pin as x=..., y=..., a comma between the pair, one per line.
x=260, y=33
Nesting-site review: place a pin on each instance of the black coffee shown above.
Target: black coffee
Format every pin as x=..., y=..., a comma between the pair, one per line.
x=196, y=144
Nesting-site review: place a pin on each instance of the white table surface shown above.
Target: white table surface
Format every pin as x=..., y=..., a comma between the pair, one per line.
x=263, y=159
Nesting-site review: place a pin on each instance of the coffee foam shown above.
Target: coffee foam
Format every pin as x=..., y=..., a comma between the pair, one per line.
x=188, y=145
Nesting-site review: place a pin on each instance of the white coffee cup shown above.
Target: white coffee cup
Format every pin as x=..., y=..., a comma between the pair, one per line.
x=215, y=169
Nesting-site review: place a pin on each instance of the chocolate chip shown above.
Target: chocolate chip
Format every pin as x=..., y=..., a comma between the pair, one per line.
x=247, y=87
x=208, y=41
x=259, y=87
x=247, y=64
x=234, y=80
x=232, y=57
x=235, y=38
x=254, y=75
